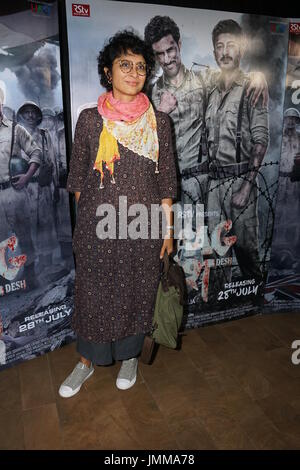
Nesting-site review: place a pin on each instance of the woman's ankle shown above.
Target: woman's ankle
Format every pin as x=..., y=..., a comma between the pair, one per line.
x=85, y=361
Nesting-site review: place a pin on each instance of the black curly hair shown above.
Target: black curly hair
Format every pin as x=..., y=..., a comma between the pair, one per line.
x=226, y=26
x=121, y=43
x=159, y=27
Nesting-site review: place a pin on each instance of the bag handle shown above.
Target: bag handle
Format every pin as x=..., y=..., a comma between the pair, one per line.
x=166, y=261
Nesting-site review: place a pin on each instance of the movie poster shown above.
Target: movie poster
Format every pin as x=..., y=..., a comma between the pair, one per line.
x=283, y=285
x=227, y=148
x=36, y=262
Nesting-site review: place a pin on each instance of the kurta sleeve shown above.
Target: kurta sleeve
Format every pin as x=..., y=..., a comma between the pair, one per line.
x=79, y=162
x=167, y=176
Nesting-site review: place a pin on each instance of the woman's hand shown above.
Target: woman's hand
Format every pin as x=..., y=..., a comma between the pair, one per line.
x=167, y=245
x=77, y=196
x=169, y=235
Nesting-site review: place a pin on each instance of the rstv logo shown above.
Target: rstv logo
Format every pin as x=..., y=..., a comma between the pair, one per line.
x=78, y=9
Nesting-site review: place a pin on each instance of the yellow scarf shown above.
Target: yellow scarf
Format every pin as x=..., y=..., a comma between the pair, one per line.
x=139, y=135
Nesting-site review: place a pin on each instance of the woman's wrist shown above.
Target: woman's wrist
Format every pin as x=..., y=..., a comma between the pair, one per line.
x=169, y=233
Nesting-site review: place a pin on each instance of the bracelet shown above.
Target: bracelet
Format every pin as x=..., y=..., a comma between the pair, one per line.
x=169, y=227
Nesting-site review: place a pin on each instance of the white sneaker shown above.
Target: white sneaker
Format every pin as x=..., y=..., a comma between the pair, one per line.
x=74, y=381
x=127, y=374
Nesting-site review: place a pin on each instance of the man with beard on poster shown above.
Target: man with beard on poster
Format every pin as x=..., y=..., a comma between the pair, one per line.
x=41, y=188
x=183, y=95
x=238, y=137
x=14, y=201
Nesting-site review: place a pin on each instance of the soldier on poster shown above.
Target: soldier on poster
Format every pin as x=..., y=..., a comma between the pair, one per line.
x=286, y=235
x=20, y=157
x=290, y=151
x=283, y=283
x=53, y=122
x=61, y=147
x=41, y=189
x=49, y=123
x=238, y=137
x=181, y=93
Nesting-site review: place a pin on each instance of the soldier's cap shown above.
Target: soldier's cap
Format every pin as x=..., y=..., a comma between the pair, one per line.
x=34, y=105
x=292, y=112
x=48, y=112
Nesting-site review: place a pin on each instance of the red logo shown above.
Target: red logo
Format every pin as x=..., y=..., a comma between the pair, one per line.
x=79, y=9
x=295, y=28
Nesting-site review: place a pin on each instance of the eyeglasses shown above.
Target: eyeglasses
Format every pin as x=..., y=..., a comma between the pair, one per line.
x=126, y=66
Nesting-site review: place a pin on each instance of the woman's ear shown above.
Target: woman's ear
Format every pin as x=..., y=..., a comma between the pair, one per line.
x=108, y=74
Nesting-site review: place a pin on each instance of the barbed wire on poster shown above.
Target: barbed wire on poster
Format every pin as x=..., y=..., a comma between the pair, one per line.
x=215, y=276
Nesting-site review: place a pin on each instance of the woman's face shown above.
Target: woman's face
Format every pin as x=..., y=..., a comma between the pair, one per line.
x=127, y=76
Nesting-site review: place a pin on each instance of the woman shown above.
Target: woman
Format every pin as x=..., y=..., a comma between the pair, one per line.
x=122, y=152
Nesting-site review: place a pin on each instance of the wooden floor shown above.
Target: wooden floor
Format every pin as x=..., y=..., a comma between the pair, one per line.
x=231, y=386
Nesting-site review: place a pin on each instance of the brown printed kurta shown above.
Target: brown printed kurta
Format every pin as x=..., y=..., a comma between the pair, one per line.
x=116, y=279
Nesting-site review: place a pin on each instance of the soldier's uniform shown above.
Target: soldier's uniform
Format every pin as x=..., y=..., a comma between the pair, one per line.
x=50, y=126
x=289, y=149
x=227, y=174
x=61, y=196
x=187, y=120
x=190, y=149
x=186, y=117
x=41, y=197
x=15, y=204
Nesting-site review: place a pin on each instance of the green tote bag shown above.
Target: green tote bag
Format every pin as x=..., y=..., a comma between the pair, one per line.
x=168, y=311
